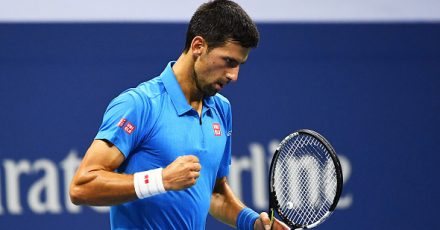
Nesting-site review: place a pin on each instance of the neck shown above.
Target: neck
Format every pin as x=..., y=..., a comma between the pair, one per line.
x=184, y=70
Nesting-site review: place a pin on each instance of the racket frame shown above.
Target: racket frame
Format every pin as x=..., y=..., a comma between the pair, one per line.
x=273, y=202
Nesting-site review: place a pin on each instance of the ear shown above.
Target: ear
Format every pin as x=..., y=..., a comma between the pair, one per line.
x=198, y=45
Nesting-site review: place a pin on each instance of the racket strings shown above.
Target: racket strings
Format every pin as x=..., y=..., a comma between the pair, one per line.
x=308, y=214
x=305, y=182
x=317, y=148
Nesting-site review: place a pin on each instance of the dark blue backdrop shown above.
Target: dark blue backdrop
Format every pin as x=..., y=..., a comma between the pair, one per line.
x=372, y=89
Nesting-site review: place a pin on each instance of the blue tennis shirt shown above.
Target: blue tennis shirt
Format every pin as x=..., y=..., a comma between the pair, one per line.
x=152, y=125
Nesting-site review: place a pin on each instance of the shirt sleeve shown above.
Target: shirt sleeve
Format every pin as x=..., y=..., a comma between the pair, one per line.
x=124, y=121
x=226, y=160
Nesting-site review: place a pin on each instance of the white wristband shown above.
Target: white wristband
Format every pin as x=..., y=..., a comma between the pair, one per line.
x=148, y=183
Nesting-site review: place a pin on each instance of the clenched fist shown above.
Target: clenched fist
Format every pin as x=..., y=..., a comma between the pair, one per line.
x=181, y=173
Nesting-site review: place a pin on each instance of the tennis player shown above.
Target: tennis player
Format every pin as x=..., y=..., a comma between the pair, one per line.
x=162, y=153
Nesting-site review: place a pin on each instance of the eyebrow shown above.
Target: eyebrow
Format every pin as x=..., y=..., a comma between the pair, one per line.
x=235, y=60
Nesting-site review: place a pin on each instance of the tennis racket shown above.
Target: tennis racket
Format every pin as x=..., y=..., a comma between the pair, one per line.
x=305, y=180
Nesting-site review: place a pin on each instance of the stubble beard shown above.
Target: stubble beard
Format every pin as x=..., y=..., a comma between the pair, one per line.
x=206, y=91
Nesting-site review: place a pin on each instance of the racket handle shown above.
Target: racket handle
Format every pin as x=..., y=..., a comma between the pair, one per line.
x=271, y=216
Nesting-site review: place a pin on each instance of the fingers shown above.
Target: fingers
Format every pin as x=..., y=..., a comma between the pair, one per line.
x=279, y=225
x=189, y=158
x=196, y=167
x=182, y=173
x=265, y=220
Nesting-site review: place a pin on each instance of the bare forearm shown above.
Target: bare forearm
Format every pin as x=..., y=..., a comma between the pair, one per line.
x=96, y=183
x=225, y=206
x=101, y=187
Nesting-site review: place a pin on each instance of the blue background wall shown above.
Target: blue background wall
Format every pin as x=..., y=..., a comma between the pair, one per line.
x=371, y=89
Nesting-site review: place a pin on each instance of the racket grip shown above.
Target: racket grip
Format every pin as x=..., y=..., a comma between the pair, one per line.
x=271, y=217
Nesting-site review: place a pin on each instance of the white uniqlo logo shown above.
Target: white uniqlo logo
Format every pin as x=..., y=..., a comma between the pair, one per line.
x=217, y=130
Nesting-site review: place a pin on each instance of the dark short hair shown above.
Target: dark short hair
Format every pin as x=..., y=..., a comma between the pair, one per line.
x=220, y=21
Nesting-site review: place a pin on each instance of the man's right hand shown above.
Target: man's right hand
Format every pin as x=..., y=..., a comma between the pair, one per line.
x=181, y=173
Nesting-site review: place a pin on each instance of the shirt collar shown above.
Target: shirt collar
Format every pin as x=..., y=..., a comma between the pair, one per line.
x=175, y=91
x=208, y=102
x=173, y=88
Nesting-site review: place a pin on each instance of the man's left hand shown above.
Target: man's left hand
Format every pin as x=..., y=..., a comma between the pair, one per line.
x=263, y=223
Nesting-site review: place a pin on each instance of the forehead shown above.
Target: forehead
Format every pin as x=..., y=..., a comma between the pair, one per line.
x=233, y=50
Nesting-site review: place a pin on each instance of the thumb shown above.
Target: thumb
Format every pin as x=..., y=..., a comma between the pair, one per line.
x=265, y=220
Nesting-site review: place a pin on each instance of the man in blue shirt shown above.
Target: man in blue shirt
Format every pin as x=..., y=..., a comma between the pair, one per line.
x=163, y=151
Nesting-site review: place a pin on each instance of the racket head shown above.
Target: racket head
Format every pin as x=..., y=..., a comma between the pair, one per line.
x=305, y=180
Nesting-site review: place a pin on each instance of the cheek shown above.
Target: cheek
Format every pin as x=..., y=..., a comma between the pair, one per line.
x=208, y=70
x=204, y=72
x=215, y=69
x=203, y=65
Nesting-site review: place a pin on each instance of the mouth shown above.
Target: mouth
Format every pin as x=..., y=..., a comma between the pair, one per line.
x=219, y=86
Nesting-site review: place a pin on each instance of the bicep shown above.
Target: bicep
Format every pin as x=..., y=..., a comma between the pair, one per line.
x=220, y=185
x=101, y=155
x=96, y=183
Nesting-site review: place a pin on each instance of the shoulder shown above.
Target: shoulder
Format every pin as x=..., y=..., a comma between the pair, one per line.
x=151, y=89
x=143, y=94
x=140, y=100
x=148, y=90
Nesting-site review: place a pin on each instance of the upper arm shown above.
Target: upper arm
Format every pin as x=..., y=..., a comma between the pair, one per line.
x=101, y=155
x=96, y=183
x=220, y=185
x=122, y=129
x=126, y=121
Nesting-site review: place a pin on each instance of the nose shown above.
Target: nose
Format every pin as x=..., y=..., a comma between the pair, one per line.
x=232, y=75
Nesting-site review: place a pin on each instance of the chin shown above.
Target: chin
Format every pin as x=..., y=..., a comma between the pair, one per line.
x=211, y=94
x=209, y=91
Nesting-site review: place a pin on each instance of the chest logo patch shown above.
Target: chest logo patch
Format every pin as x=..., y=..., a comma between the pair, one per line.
x=217, y=130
